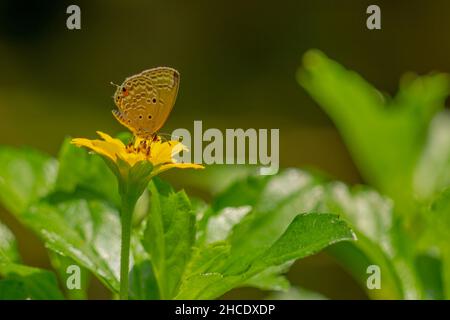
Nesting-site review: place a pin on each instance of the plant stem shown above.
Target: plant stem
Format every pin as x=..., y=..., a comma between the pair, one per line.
x=126, y=214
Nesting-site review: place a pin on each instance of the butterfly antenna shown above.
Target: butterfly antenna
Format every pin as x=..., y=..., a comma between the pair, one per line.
x=113, y=84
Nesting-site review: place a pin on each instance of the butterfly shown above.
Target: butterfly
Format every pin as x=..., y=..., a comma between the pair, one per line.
x=145, y=100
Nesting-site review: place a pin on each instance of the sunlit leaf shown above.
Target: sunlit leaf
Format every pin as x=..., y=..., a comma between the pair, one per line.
x=169, y=236
x=437, y=236
x=80, y=170
x=8, y=245
x=25, y=176
x=306, y=235
x=385, y=136
x=433, y=170
x=143, y=283
x=87, y=231
x=23, y=282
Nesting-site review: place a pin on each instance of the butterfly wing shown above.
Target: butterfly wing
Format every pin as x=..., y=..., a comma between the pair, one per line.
x=166, y=82
x=146, y=100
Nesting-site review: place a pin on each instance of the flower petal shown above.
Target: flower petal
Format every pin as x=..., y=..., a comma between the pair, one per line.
x=132, y=158
x=160, y=155
x=111, y=140
x=168, y=166
x=98, y=146
x=164, y=152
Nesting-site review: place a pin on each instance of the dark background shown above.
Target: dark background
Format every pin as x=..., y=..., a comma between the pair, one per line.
x=237, y=61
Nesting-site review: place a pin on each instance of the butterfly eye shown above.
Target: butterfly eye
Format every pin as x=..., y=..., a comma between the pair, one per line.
x=140, y=117
x=154, y=100
x=149, y=116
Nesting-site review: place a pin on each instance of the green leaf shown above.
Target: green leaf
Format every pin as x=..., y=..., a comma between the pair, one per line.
x=275, y=200
x=261, y=208
x=11, y=289
x=169, y=236
x=8, y=245
x=306, y=235
x=25, y=176
x=23, y=282
x=380, y=240
x=430, y=272
x=199, y=286
x=234, y=202
x=385, y=136
x=371, y=217
x=221, y=224
x=19, y=281
x=142, y=280
x=61, y=264
x=438, y=221
x=439, y=218
x=273, y=206
x=204, y=258
x=445, y=252
x=271, y=278
x=85, y=230
x=433, y=170
x=401, y=145
x=82, y=170
x=143, y=284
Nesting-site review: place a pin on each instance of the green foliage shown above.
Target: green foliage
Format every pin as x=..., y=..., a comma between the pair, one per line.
x=437, y=234
x=305, y=235
x=20, y=281
x=87, y=231
x=249, y=236
x=26, y=175
x=270, y=200
x=386, y=136
x=79, y=170
x=401, y=146
x=169, y=236
x=8, y=245
x=206, y=270
x=432, y=173
x=61, y=264
x=23, y=282
x=255, y=227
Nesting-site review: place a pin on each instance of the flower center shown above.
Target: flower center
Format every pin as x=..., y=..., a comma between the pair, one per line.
x=140, y=146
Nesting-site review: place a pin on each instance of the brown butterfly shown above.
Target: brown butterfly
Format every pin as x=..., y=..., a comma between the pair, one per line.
x=145, y=100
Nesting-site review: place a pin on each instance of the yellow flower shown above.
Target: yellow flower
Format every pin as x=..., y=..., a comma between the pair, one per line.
x=160, y=154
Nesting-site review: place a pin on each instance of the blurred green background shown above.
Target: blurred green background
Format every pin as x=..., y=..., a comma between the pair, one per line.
x=237, y=61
